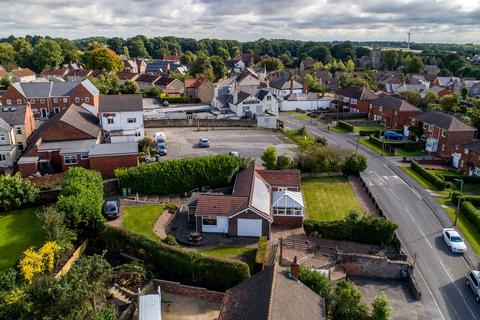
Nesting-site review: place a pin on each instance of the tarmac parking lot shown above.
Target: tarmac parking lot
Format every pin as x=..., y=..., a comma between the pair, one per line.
x=248, y=142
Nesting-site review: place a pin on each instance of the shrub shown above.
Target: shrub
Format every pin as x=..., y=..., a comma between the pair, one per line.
x=474, y=199
x=173, y=99
x=354, y=164
x=36, y=262
x=472, y=214
x=170, y=240
x=347, y=302
x=465, y=178
x=321, y=159
x=176, y=263
x=410, y=146
x=145, y=145
x=181, y=175
x=434, y=179
x=319, y=284
x=321, y=140
x=354, y=227
x=285, y=161
x=375, y=140
x=270, y=157
x=382, y=310
x=16, y=192
x=261, y=250
x=344, y=125
x=130, y=275
x=53, y=223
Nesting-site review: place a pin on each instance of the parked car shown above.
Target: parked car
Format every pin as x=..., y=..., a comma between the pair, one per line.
x=473, y=280
x=203, y=143
x=454, y=241
x=234, y=154
x=165, y=103
x=161, y=149
x=111, y=209
x=392, y=135
x=160, y=137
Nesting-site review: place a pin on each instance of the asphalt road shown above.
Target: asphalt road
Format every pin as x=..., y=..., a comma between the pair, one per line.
x=440, y=274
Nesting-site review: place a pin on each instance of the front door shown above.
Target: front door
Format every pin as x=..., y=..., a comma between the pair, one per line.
x=44, y=112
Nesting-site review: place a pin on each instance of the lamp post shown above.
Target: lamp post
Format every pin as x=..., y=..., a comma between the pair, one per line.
x=459, y=200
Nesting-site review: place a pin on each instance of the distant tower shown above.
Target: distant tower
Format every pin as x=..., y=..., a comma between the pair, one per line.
x=408, y=42
x=376, y=58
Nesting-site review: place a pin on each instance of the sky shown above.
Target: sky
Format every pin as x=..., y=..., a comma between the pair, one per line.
x=446, y=21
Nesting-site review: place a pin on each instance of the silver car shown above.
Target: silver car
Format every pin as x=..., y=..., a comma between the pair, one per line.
x=473, y=278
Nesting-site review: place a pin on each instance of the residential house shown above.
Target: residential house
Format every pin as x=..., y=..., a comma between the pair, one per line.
x=431, y=69
x=306, y=64
x=199, y=90
x=248, y=58
x=124, y=76
x=473, y=88
x=247, y=81
x=235, y=65
x=453, y=84
x=394, y=113
x=172, y=57
x=141, y=64
x=420, y=88
x=78, y=74
x=3, y=73
x=54, y=74
x=23, y=75
x=21, y=119
x=48, y=98
x=305, y=101
x=166, y=68
x=283, y=86
x=171, y=86
x=441, y=91
x=353, y=99
x=129, y=65
x=8, y=146
x=444, y=133
x=146, y=81
x=259, y=198
x=121, y=117
x=272, y=294
x=470, y=159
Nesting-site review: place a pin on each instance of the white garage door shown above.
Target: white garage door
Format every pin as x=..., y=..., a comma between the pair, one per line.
x=250, y=227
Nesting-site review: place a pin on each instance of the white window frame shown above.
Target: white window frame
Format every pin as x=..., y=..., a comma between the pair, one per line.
x=19, y=101
x=84, y=157
x=32, y=100
x=77, y=99
x=42, y=100
x=87, y=99
x=65, y=100
x=55, y=100
x=9, y=101
x=444, y=133
x=3, y=137
x=69, y=159
x=282, y=211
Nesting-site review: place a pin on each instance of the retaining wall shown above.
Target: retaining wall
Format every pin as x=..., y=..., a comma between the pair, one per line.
x=161, y=123
x=184, y=290
x=356, y=264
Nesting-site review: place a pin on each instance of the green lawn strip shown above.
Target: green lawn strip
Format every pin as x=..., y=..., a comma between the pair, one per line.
x=19, y=230
x=329, y=198
x=414, y=175
x=368, y=128
x=371, y=146
x=470, y=188
x=244, y=254
x=404, y=153
x=141, y=219
x=302, y=116
x=301, y=140
x=338, y=129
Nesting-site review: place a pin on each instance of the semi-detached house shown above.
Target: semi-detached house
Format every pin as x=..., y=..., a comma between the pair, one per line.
x=394, y=113
x=353, y=99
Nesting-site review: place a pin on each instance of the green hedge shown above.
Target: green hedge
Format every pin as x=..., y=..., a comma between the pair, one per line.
x=344, y=125
x=363, y=229
x=474, y=199
x=471, y=213
x=433, y=178
x=261, y=250
x=175, y=99
x=180, y=175
x=376, y=141
x=175, y=263
x=453, y=176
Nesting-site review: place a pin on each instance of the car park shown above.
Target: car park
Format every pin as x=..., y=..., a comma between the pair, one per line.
x=454, y=241
x=162, y=149
x=473, y=279
x=204, y=143
x=111, y=209
x=392, y=135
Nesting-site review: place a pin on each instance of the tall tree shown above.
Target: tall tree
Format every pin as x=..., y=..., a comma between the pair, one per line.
x=347, y=302
x=320, y=53
x=390, y=59
x=7, y=54
x=24, y=53
x=136, y=48
x=218, y=67
x=343, y=51
x=101, y=58
x=47, y=53
x=116, y=44
x=382, y=310
x=272, y=64
x=413, y=64
x=69, y=50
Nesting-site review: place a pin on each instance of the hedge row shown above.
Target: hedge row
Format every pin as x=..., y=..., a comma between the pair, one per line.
x=261, y=250
x=344, y=125
x=174, y=99
x=472, y=214
x=473, y=199
x=465, y=178
x=433, y=178
x=175, y=263
x=180, y=175
x=363, y=229
x=376, y=141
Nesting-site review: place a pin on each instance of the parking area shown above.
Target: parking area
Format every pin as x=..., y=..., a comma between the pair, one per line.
x=248, y=142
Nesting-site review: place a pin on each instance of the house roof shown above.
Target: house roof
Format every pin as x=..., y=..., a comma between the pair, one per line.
x=22, y=72
x=443, y=120
x=172, y=57
x=120, y=103
x=3, y=73
x=474, y=146
x=445, y=81
x=195, y=83
x=165, y=81
x=230, y=64
x=125, y=75
x=148, y=78
x=113, y=149
x=394, y=103
x=281, y=199
x=245, y=73
x=68, y=146
x=4, y=124
x=79, y=72
x=358, y=93
x=52, y=89
x=271, y=294
x=219, y=205
x=14, y=115
x=281, y=178
x=54, y=72
x=284, y=83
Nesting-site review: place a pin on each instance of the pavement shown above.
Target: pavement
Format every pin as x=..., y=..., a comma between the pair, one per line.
x=439, y=273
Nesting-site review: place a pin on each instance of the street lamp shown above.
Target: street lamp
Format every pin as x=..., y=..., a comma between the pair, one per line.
x=459, y=199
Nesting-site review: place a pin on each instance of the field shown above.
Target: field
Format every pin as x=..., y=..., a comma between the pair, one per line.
x=141, y=219
x=329, y=198
x=19, y=230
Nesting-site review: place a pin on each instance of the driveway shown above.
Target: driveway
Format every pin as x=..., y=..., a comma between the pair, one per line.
x=248, y=142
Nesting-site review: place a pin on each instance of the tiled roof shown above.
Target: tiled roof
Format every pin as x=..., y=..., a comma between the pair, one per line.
x=394, y=103
x=243, y=182
x=125, y=75
x=284, y=83
x=358, y=93
x=474, y=146
x=54, y=72
x=245, y=73
x=147, y=78
x=220, y=205
x=281, y=178
x=3, y=73
x=52, y=89
x=15, y=117
x=164, y=81
x=120, y=103
x=443, y=120
x=22, y=72
x=195, y=83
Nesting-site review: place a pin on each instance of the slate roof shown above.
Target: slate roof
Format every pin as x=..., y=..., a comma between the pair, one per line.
x=283, y=83
x=474, y=146
x=147, y=78
x=54, y=72
x=52, y=89
x=443, y=120
x=112, y=149
x=120, y=103
x=125, y=75
x=245, y=73
x=16, y=117
x=164, y=81
x=4, y=124
x=270, y=295
x=394, y=103
x=220, y=205
x=281, y=178
x=358, y=93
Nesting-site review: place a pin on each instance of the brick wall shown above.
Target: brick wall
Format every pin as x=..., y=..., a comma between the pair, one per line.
x=452, y=142
x=288, y=221
x=190, y=291
x=202, y=123
x=372, y=266
x=63, y=131
x=107, y=164
x=27, y=169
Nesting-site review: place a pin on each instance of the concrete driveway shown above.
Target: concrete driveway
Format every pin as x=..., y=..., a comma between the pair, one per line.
x=248, y=142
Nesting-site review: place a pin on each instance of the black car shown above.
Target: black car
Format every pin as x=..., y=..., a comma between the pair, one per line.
x=111, y=209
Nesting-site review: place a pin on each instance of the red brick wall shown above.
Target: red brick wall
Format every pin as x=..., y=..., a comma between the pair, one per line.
x=12, y=94
x=453, y=140
x=184, y=290
x=106, y=165
x=471, y=158
x=288, y=221
x=27, y=169
x=80, y=163
x=82, y=93
x=233, y=223
x=63, y=131
x=391, y=120
x=29, y=121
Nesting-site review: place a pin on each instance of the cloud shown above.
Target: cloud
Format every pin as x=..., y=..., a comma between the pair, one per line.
x=429, y=20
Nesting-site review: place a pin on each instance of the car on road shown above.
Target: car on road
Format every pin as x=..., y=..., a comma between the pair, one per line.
x=234, y=154
x=454, y=241
x=473, y=280
x=160, y=137
x=111, y=209
x=392, y=135
x=204, y=143
x=161, y=149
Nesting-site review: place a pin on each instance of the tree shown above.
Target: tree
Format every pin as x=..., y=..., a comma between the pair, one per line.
x=47, y=53
x=5, y=82
x=343, y=51
x=350, y=66
x=117, y=45
x=24, y=51
x=130, y=87
x=286, y=59
x=107, y=83
x=429, y=99
x=412, y=97
x=390, y=59
x=464, y=93
x=355, y=163
x=101, y=58
x=201, y=65
x=362, y=52
x=69, y=51
x=270, y=157
x=7, y=54
x=412, y=64
x=218, y=67
x=320, y=53
x=347, y=304
x=382, y=310
x=188, y=58
x=16, y=192
x=319, y=284
x=136, y=47
x=53, y=223
x=285, y=161
x=272, y=64
x=313, y=84
x=449, y=102
x=347, y=80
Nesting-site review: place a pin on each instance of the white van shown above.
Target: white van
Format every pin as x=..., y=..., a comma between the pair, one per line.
x=160, y=137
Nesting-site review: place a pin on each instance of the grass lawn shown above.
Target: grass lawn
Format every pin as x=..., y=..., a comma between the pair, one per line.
x=302, y=140
x=404, y=153
x=141, y=219
x=421, y=180
x=371, y=146
x=329, y=198
x=368, y=128
x=19, y=230
x=244, y=254
x=338, y=129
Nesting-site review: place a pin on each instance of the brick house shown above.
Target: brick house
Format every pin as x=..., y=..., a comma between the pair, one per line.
x=470, y=159
x=23, y=75
x=391, y=111
x=54, y=74
x=259, y=198
x=199, y=90
x=171, y=86
x=21, y=119
x=353, y=99
x=49, y=98
x=444, y=133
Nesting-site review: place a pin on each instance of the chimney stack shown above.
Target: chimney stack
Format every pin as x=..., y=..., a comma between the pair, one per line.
x=305, y=87
x=295, y=269
x=291, y=83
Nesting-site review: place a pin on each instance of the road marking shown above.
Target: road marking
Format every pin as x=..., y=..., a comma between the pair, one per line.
x=394, y=194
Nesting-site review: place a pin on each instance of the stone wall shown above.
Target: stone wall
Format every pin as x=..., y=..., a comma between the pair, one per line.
x=356, y=264
x=162, y=123
x=184, y=290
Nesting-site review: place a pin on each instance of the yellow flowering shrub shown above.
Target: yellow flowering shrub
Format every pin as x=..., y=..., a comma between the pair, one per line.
x=36, y=262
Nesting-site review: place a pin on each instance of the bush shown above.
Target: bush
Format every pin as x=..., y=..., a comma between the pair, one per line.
x=145, y=145
x=176, y=263
x=434, y=179
x=472, y=214
x=261, y=250
x=16, y=192
x=344, y=125
x=321, y=140
x=373, y=139
x=37, y=262
x=354, y=164
x=321, y=159
x=131, y=275
x=354, y=227
x=465, y=178
x=285, y=161
x=473, y=199
x=181, y=175
x=53, y=223
x=347, y=302
x=170, y=240
x=270, y=157
x=173, y=99
x=410, y=146
x=319, y=284
x=382, y=310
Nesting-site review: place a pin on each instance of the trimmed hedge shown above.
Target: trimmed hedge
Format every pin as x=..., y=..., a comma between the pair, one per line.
x=472, y=214
x=465, y=178
x=363, y=229
x=344, y=125
x=174, y=99
x=181, y=175
x=261, y=250
x=473, y=199
x=376, y=141
x=175, y=263
x=433, y=178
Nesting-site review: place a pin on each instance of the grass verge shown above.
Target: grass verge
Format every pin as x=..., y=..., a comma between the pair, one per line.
x=244, y=254
x=141, y=219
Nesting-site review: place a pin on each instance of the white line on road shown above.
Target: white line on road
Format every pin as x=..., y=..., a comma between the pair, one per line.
x=394, y=194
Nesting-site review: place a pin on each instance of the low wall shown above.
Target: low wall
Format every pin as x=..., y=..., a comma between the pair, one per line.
x=53, y=179
x=48, y=196
x=356, y=264
x=161, y=123
x=184, y=290
x=77, y=254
